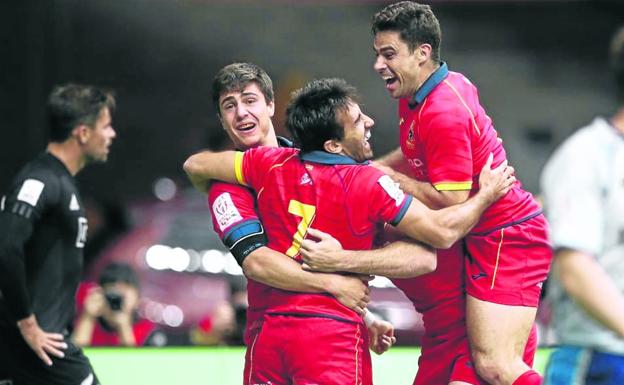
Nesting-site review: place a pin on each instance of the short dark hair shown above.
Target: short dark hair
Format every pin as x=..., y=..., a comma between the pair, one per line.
x=236, y=76
x=312, y=115
x=71, y=105
x=616, y=59
x=415, y=23
x=119, y=272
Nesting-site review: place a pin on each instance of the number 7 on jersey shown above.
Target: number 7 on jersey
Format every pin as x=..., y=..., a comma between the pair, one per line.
x=306, y=212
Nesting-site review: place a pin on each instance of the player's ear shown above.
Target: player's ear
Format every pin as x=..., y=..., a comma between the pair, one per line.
x=271, y=108
x=82, y=133
x=423, y=52
x=332, y=146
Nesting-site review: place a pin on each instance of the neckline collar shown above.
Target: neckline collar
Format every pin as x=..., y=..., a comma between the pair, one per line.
x=432, y=81
x=58, y=162
x=328, y=158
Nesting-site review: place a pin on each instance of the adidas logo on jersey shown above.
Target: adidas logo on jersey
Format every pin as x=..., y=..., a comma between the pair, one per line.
x=305, y=179
x=73, y=203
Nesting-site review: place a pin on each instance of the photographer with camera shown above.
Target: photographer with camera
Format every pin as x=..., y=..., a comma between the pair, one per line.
x=109, y=316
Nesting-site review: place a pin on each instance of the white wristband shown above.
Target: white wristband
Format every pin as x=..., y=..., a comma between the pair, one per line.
x=369, y=318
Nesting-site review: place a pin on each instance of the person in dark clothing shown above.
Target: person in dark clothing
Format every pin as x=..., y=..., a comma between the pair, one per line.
x=42, y=235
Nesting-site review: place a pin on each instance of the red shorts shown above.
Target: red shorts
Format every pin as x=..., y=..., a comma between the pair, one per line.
x=446, y=358
x=508, y=266
x=308, y=350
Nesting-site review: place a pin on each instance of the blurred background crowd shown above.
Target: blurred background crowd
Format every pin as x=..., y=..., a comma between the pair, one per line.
x=153, y=263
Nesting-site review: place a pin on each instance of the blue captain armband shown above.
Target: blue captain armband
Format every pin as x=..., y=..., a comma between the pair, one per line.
x=244, y=238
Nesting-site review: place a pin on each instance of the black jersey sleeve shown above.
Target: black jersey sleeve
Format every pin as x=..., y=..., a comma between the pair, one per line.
x=14, y=232
x=21, y=209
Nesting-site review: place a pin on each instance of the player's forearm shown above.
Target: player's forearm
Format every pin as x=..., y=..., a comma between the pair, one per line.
x=400, y=259
x=200, y=183
x=207, y=165
x=394, y=159
x=442, y=228
x=590, y=286
x=280, y=271
x=427, y=194
x=83, y=331
x=454, y=222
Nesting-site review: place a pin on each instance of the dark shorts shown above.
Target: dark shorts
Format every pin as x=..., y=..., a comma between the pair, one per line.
x=508, y=266
x=308, y=350
x=583, y=366
x=23, y=367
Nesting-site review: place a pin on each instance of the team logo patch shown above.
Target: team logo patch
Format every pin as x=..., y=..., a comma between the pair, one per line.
x=410, y=143
x=225, y=211
x=392, y=189
x=30, y=191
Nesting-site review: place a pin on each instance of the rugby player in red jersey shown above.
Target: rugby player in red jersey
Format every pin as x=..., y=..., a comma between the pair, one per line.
x=307, y=337
x=243, y=97
x=445, y=138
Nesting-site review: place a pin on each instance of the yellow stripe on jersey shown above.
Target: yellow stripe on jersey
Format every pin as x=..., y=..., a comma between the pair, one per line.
x=453, y=186
x=238, y=168
x=474, y=122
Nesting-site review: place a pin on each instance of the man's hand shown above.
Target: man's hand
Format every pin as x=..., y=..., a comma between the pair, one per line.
x=40, y=342
x=95, y=303
x=495, y=183
x=351, y=291
x=320, y=255
x=381, y=336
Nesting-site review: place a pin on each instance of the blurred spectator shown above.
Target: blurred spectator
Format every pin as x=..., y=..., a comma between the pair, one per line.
x=583, y=193
x=109, y=315
x=226, y=324
x=216, y=329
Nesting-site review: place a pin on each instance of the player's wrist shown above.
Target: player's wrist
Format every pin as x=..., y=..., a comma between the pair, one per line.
x=27, y=323
x=369, y=318
x=485, y=197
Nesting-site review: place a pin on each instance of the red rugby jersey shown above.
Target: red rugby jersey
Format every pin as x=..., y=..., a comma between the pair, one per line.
x=446, y=137
x=331, y=193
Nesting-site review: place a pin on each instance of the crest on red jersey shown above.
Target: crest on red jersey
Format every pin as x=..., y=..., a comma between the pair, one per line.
x=410, y=136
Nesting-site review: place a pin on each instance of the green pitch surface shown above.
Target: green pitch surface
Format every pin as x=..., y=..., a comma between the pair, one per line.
x=224, y=366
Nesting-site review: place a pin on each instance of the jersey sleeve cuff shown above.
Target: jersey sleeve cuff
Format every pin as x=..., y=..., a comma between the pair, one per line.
x=453, y=186
x=238, y=168
x=399, y=216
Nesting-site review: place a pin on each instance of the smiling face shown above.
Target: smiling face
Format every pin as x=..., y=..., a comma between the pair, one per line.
x=400, y=68
x=357, y=132
x=246, y=117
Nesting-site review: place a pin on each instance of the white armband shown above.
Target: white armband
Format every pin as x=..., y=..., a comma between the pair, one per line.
x=369, y=318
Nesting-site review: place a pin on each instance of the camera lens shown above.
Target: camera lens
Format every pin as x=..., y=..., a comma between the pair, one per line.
x=114, y=299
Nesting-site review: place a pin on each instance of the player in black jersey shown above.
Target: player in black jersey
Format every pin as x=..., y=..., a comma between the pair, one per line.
x=43, y=230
